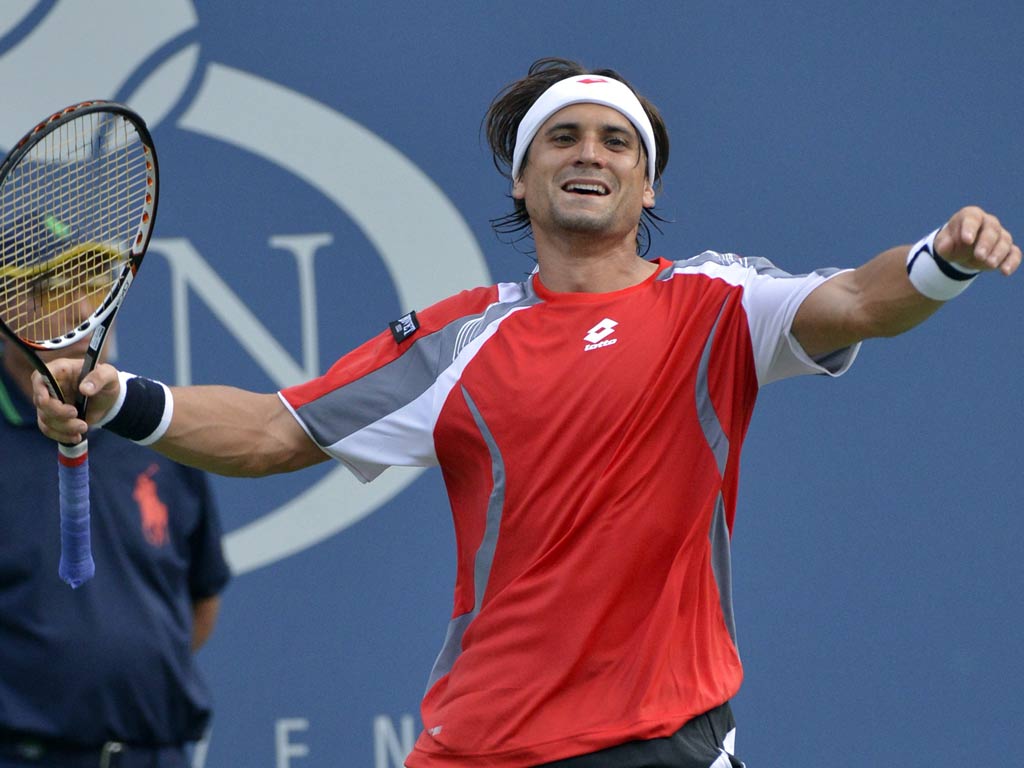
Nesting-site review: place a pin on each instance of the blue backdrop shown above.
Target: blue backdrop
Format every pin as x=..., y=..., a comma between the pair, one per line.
x=324, y=172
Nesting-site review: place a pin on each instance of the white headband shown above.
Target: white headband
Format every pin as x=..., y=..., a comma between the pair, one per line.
x=584, y=89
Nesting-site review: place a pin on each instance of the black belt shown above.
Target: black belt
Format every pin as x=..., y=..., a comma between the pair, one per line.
x=112, y=754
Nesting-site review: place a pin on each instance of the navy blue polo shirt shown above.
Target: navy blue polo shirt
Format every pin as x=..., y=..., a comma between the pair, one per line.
x=110, y=660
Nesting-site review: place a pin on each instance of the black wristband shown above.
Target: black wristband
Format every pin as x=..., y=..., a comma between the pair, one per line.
x=142, y=411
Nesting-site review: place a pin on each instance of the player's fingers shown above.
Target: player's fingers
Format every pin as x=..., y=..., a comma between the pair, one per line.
x=102, y=386
x=98, y=380
x=65, y=372
x=960, y=231
x=994, y=256
x=42, y=396
x=965, y=225
x=39, y=388
x=56, y=419
x=950, y=239
x=990, y=234
x=1012, y=261
x=65, y=431
x=975, y=239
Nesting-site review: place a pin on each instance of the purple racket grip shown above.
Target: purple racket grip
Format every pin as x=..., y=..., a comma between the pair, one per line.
x=76, y=565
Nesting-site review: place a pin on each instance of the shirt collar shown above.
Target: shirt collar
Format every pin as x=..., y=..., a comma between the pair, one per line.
x=16, y=409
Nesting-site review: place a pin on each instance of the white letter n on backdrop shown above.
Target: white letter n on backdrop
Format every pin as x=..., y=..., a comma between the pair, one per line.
x=190, y=272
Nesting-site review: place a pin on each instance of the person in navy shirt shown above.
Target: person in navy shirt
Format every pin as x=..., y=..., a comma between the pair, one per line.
x=103, y=675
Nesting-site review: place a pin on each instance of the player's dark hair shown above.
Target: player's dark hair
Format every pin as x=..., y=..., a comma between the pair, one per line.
x=510, y=106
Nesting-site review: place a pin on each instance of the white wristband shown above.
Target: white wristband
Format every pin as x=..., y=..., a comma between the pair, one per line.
x=932, y=275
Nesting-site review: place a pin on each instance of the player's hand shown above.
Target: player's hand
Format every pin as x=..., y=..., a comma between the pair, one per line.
x=975, y=239
x=59, y=420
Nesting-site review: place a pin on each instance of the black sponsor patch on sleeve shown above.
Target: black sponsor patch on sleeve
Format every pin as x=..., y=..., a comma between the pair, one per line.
x=404, y=327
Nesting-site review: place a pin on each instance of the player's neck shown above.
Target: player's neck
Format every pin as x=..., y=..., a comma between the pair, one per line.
x=588, y=266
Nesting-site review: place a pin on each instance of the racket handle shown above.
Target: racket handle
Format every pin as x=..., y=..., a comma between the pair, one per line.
x=76, y=565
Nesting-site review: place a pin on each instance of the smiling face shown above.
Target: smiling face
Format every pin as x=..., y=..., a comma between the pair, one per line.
x=585, y=173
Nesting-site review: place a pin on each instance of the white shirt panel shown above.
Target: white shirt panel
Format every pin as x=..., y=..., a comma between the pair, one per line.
x=771, y=300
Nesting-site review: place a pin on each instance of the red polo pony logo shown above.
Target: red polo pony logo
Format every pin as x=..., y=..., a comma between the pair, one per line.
x=152, y=511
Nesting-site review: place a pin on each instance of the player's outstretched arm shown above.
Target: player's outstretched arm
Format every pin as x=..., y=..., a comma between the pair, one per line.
x=881, y=299
x=219, y=429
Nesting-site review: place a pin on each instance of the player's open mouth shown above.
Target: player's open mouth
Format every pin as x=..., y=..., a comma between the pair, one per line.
x=585, y=188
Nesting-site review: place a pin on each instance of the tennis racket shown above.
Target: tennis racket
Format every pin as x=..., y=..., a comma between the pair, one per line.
x=78, y=198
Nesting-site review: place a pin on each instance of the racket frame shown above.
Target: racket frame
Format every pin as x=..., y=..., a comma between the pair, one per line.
x=99, y=321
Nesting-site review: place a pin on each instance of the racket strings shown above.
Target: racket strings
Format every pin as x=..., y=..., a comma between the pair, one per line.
x=70, y=211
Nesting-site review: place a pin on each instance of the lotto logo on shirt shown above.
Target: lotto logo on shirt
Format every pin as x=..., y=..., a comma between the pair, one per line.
x=598, y=335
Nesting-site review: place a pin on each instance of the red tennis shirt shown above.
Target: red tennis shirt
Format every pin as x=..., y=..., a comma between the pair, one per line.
x=590, y=447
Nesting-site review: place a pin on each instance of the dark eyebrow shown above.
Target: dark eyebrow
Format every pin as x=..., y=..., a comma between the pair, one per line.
x=607, y=128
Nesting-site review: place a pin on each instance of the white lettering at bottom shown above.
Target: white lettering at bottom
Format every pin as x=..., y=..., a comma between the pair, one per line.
x=390, y=751
x=287, y=749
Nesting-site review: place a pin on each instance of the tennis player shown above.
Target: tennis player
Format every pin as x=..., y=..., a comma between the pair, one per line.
x=588, y=423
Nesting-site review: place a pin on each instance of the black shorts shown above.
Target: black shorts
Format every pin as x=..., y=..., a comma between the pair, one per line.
x=700, y=743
